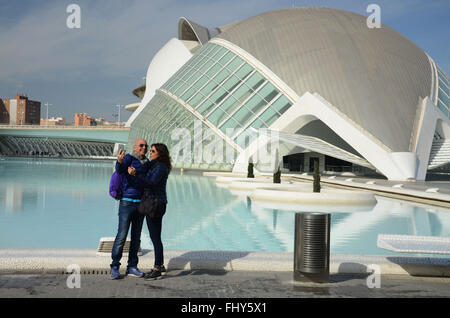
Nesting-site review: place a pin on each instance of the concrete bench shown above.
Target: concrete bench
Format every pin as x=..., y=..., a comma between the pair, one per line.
x=414, y=244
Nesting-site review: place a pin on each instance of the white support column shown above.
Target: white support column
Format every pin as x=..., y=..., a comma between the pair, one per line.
x=430, y=120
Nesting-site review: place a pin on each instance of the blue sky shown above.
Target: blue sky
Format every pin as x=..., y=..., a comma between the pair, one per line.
x=93, y=68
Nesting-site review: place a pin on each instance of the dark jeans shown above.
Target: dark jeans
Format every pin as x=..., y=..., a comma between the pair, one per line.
x=128, y=214
x=154, y=228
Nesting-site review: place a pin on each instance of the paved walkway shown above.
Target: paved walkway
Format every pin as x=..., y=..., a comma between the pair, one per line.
x=220, y=284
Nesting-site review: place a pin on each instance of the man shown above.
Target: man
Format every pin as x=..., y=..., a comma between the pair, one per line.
x=132, y=190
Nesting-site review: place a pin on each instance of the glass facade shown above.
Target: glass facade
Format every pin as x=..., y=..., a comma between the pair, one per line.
x=227, y=91
x=158, y=124
x=443, y=102
x=222, y=89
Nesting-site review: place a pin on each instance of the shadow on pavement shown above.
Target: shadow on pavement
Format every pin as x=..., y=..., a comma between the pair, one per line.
x=216, y=262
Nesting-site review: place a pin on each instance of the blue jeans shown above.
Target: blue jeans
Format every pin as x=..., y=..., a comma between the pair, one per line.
x=128, y=214
x=154, y=228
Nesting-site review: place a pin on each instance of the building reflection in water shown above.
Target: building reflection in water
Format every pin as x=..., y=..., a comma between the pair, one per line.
x=200, y=215
x=15, y=198
x=357, y=227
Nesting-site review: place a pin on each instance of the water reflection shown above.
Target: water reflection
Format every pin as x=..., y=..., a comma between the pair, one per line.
x=52, y=203
x=356, y=231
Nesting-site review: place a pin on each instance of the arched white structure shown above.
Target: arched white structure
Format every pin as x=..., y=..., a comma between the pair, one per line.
x=164, y=64
x=322, y=79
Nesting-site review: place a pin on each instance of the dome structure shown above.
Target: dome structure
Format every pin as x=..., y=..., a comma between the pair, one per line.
x=322, y=80
x=366, y=73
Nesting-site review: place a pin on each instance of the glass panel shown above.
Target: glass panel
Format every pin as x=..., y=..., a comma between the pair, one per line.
x=205, y=107
x=231, y=83
x=255, y=81
x=206, y=66
x=205, y=49
x=209, y=88
x=197, y=85
x=442, y=107
x=217, y=52
x=217, y=116
x=245, y=138
x=234, y=64
x=169, y=82
x=221, y=76
x=242, y=93
x=196, y=75
x=242, y=115
x=215, y=49
x=443, y=87
x=213, y=70
x=281, y=104
x=444, y=98
x=268, y=92
x=196, y=99
x=259, y=124
x=442, y=75
x=181, y=89
x=226, y=58
x=269, y=116
x=244, y=71
x=255, y=104
x=230, y=123
x=175, y=87
x=230, y=104
x=188, y=94
x=195, y=60
x=188, y=74
x=218, y=95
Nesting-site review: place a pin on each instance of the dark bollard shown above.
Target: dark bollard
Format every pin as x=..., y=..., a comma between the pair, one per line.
x=312, y=247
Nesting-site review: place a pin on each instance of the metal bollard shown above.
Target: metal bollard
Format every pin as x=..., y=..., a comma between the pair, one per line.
x=312, y=247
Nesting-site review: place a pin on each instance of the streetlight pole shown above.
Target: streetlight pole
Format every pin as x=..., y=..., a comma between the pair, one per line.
x=118, y=122
x=46, y=121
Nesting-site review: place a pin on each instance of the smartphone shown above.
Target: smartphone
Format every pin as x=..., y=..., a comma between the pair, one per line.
x=120, y=147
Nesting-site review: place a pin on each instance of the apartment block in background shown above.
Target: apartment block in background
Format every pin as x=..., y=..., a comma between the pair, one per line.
x=82, y=119
x=20, y=111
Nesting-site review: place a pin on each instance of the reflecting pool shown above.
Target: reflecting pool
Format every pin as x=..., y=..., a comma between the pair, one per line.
x=52, y=203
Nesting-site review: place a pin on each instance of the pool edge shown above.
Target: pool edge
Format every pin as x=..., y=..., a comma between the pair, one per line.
x=57, y=261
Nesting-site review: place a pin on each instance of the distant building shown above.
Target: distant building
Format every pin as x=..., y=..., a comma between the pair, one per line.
x=54, y=121
x=20, y=111
x=82, y=119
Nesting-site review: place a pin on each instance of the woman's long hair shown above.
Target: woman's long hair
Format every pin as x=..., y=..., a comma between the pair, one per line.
x=164, y=155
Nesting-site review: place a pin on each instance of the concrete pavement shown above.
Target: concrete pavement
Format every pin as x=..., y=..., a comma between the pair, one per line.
x=220, y=284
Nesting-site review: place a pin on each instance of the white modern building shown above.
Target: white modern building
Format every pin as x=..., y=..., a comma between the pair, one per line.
x=319, y=80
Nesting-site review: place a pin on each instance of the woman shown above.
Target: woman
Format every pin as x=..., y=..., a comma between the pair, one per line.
x=155, y=183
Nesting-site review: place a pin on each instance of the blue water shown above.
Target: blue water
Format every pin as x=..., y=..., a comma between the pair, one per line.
x=51, y=203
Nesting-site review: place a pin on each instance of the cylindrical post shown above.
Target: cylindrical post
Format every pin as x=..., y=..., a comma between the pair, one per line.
x=312, y=247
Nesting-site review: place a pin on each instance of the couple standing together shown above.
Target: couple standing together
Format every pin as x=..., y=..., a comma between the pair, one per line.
x=141, y=174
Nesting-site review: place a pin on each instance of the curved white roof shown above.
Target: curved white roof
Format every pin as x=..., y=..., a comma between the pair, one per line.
x=376, y=77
